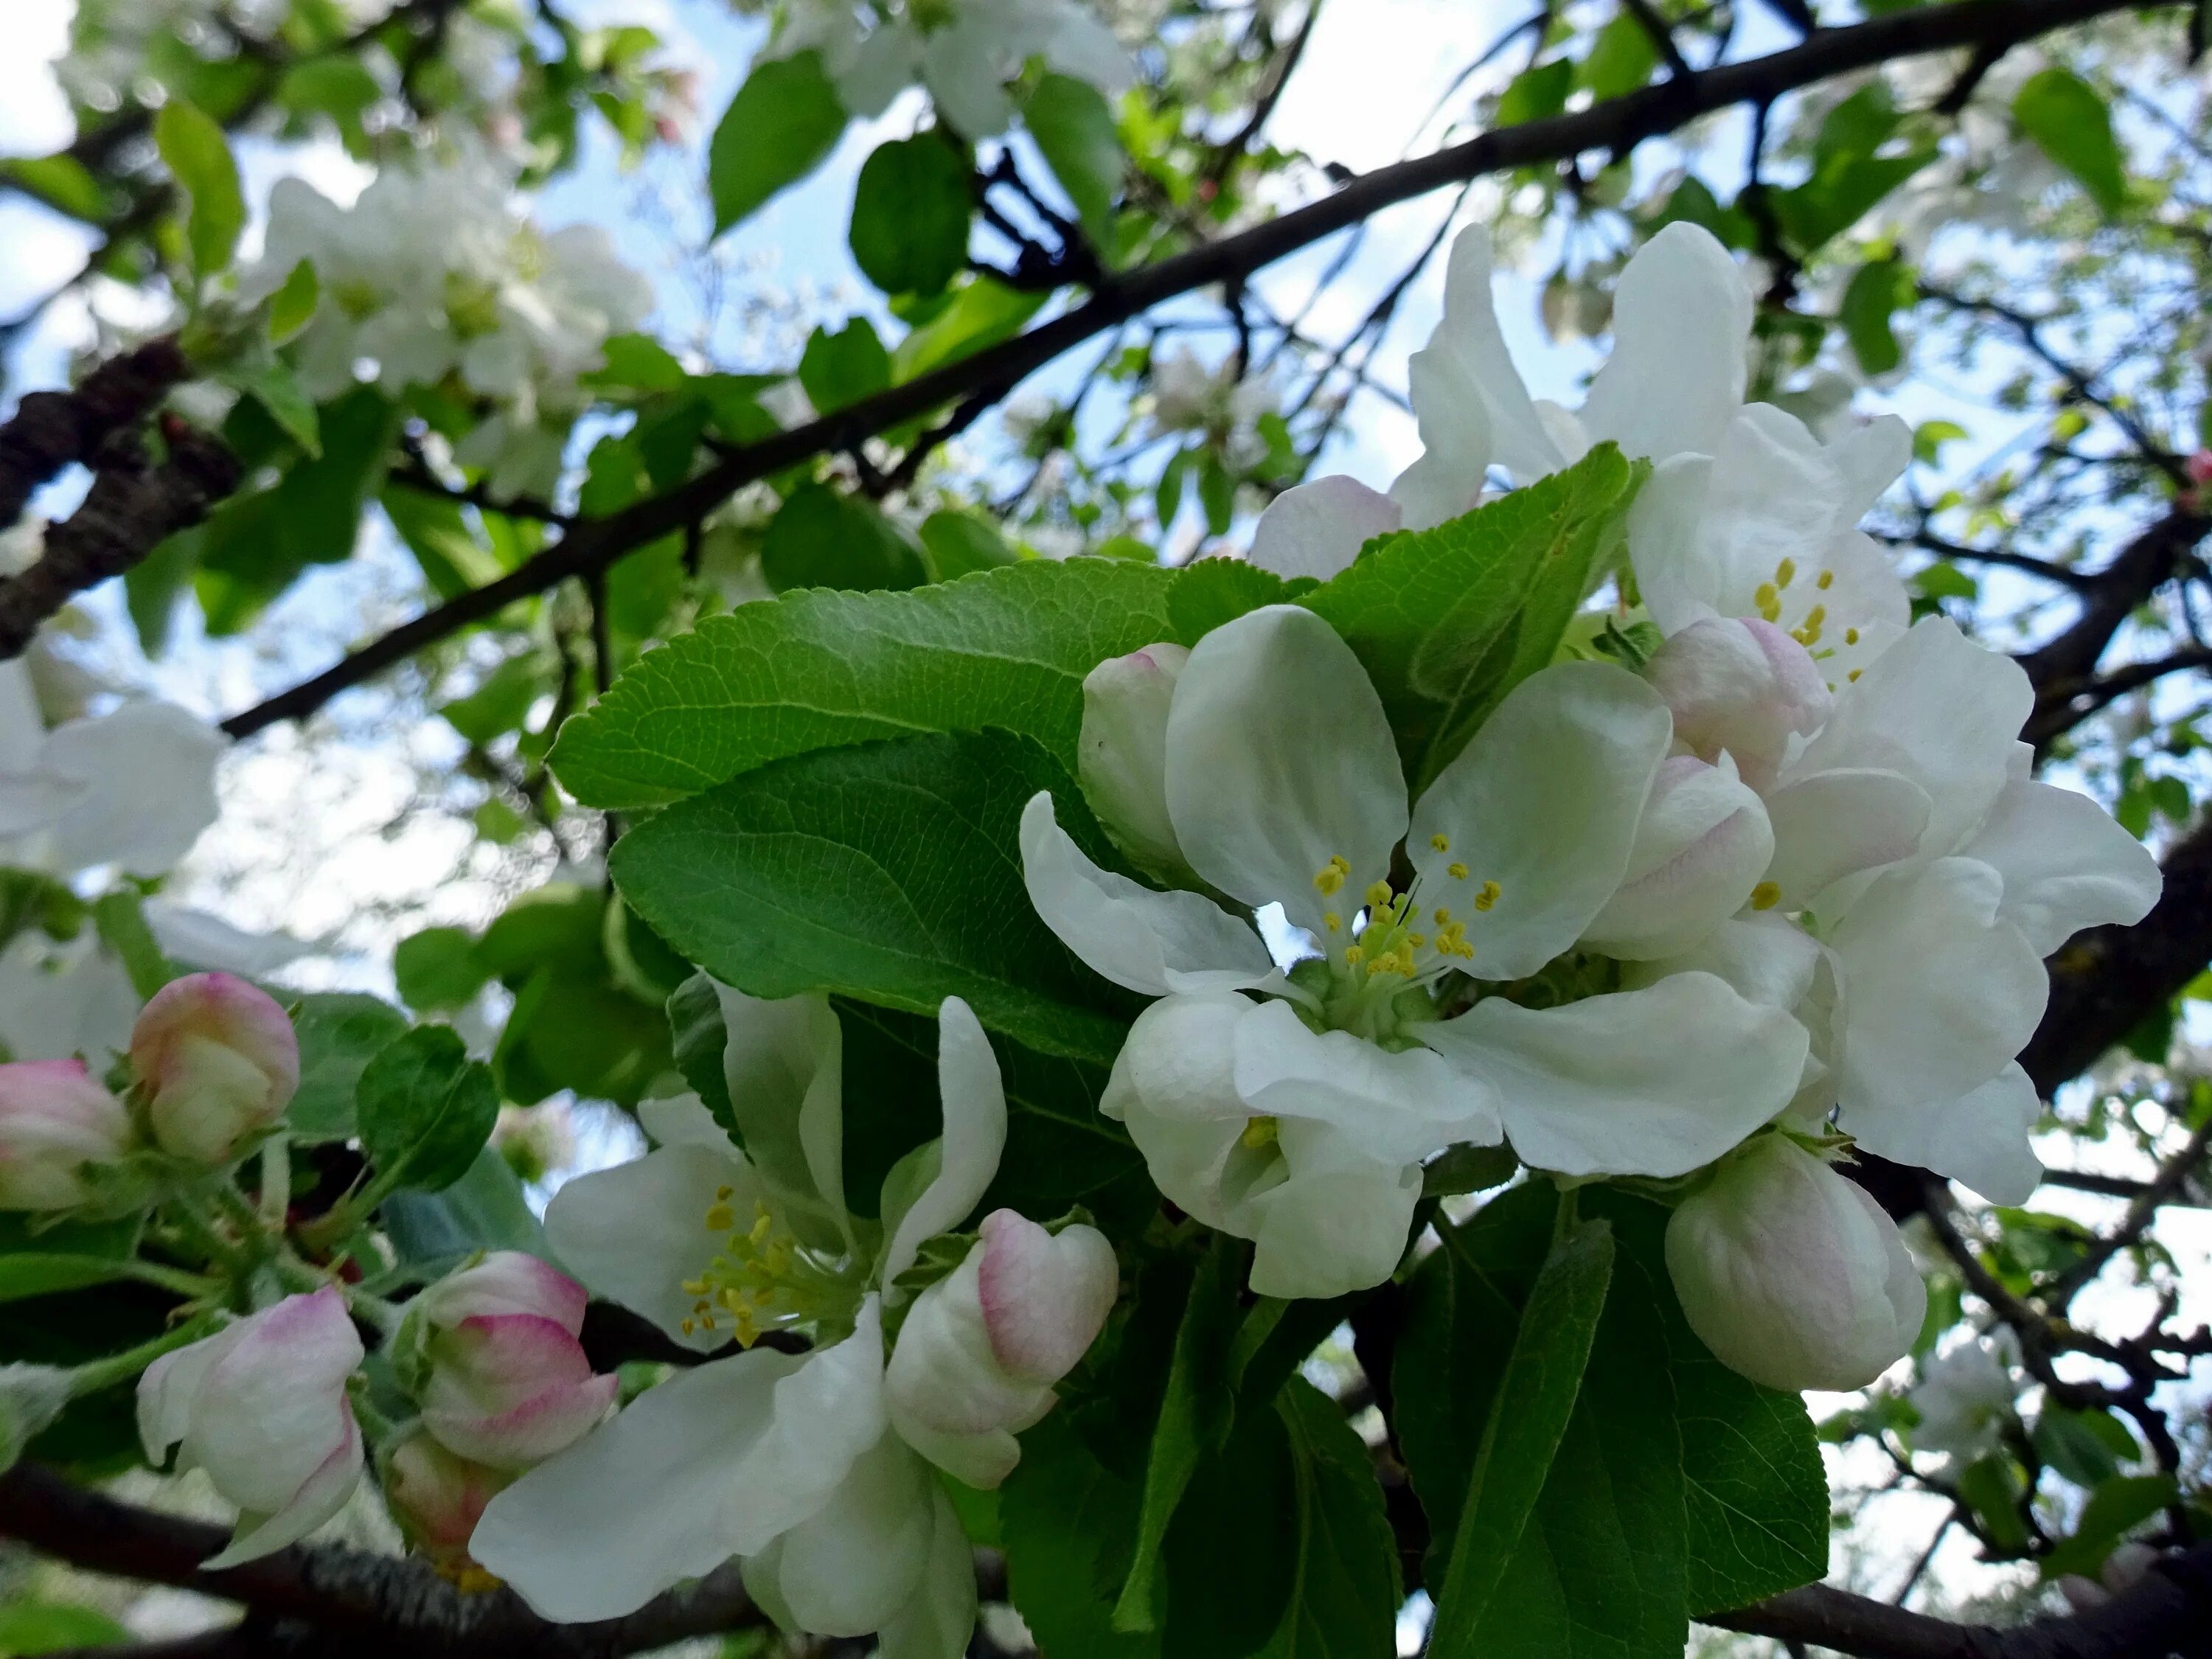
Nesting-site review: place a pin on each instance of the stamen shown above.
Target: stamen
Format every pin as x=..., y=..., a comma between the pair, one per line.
x=1785, y=572
x=1853, y=677
x=1488, y=896
x=1260, y=1133
x=1765, y=895
x=1809, y=634
x=1442, y=843
x=1769, y=601
x=1850, y=637
x=1331, y=920
x=1456, y=871
x=1825, y=580
x=1330, y=876
x=1379, y=895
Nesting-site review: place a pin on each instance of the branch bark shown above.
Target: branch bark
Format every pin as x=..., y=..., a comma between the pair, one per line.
x=360, y=1604
x=51, y=430
x=1616, y=125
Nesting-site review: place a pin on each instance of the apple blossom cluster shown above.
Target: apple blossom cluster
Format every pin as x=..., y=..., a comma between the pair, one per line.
x=1774, y=883
x=433, y=276
x=1220, y=403
x=962, y=51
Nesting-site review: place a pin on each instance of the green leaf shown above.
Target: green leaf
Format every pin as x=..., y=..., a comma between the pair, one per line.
x=983, y=312
x=700, y=1037
x=1060, y=1151
x=1535, y=1398
x=485, y=1210
x=425, y=1109
x=452, y=556
x=339, y=1033
x=2116, y=1507
x=842, y=368
x=958, y=544
x=2086, y=1447
x=29, y=1627
x=1448, y=621
x=1619, y=60
x=62, y=182
x=1536, y=93
x=438, y=968
x=197, y=156
x=1006, y=647
x=41, y=1273
x=292, y=307
x=1195, y=1418
x=501, y=702
x=276, y=389
x=822, y=537
x=1068, y=1520
x=1074, y=131
x=2067, y=119
x=911, y=206
x=1877, y=290
x=782, y=125
x=887, y=873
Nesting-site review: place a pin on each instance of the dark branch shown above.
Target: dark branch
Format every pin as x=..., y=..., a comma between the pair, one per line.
x=1618, y=125
x=2110, y=598
x=366, y=1605
x=52, y=430
x=2063, y=708
x=131, y=508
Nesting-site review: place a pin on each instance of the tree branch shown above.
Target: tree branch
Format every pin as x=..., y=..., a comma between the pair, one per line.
x=2168, y=1614
x=1617, y=124
x=365, y=1605
x=2062, y=708
x=51, y=430
x=2110, y=598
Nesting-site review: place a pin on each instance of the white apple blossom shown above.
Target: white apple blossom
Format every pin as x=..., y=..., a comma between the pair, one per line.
x=1966, y=1397
x=1217, y=403
x=1790, y=1273
x=54, y=1121
x=963, y=52
x=1297, y=1111
x=1121, y=759
x=801, y=1465
x=434, y=273
x=262, y=1406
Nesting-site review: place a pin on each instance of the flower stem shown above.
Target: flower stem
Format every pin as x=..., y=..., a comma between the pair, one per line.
x=116, y=1368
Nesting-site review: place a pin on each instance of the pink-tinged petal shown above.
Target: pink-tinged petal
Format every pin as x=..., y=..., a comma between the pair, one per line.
x=1045, y=1297
x=506, y=1282
x=529, y=1432
x=219, y=1061
x=54, y=1120
x=1317, y=529
x=321, y=1495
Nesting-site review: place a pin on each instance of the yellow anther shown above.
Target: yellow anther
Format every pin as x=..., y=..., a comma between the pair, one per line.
x=1327, y=879
x=1416, y=940
x=1765, y=895
x=1378, y=894
x=1259, y=1132
x=724, y=1194
x=1808, y=634
x=1354, y=955
x=695, y=1287
x=1333, y=921
x=1442, y=843
x=1768, y=599
x=689, y=1328
x=1825, y=580
x=719, y=1219
x=1444, y=917
x=1853, y=677
x=1456, y=871
x=1785, y=572
x=1488, y=896
x=1850, y=637
x=763, y=1224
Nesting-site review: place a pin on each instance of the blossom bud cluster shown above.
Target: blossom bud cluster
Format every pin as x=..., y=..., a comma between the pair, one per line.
x=433, y=276
x=216, y=1063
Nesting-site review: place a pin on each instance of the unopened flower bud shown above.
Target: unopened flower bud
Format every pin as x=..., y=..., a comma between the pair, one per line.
x=54, y=1121
x=219, y=1063
x=1701, y=846
x=262, y=1406
x=437, y=1497
x=1791, y=1274
x=31, y=1398
x=506, y=1383
x=1742, y=687
x=1122, y=755
x=980, y=1350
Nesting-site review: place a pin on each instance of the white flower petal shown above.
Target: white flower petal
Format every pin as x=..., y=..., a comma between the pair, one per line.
x=938, y=1623
x=2067, y=865
x=682, y=1120
x=1681, y=318
x=1653, y=1082
x=850, y=1567
x=149, y=773
x=974, y=1104
x=636, y=1232
x=1981, y=1139
x=1701, y=846
x=1939, y=709
x=1939, y=993
x=1397, y=1106
x=1544, y=801
x=1317, y=529
x=1766, y=959
x=1280, y=759
x=1869, y=458
x=1332, y=1231
x=1829, y=825
x=1150, y=942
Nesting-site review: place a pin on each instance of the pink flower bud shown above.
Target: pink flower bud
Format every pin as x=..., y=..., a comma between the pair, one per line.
x=1122, y=757
x=54, y=1121
x=437, y=1498
x=262, y=1406
x=981, y=1349
x=1701, y=846
x=508, y=1383
x=219, y=1063
x=1791, y=1274
x=1743, y=687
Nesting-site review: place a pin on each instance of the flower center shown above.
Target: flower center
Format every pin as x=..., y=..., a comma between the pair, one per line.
x=1813, y=620
x=762, y=1278
x=1392, y=944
